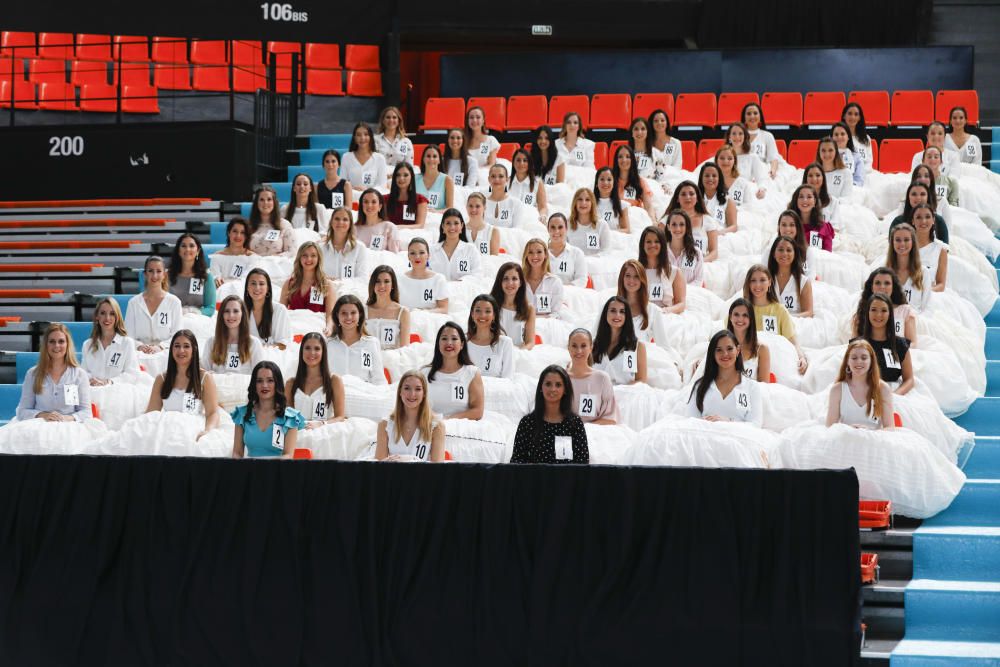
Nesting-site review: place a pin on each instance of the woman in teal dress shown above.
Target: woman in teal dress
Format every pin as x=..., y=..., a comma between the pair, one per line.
x=266, y=426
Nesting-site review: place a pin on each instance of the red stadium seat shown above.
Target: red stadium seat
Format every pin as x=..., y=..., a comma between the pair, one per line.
x=689, y=155
x=40, y=70
x=170, y=50
x=782, y=148
x=135, y=74
x=211, y=79
x=610, y=112
x=284, y=47
x=912, y=107
x=247, y=54
x=782, y=109
x=18, y=44
x=172, y=77
x=646, y=103
x=495, y=109
x=707, y=148
x=801, y=152
x=896, y=155
x=600, y=154
x=948, y=99
x=695, y=110
x=302, y=454
x=324, y=82
x=57, y=96
x=560, y=105
x=93, y=47
x=362, y=57
x=133, y=49
x=248, y=80
x=140, y=99
x=100, y=97
x=730, y=106
x=11, y=68
x=83, y=72
x=613, y=149
x=444, y=113
x=364, y=84
x=23, y=91
x=323, y=56
x=507, y=150
x=418, y=152
x=55, y=45
x=209, y=52
x=526, y=112
x=823, y=109
x=873, y=147
x=875, y=104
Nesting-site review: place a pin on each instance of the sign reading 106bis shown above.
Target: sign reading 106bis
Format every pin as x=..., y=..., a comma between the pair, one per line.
x=276, y=11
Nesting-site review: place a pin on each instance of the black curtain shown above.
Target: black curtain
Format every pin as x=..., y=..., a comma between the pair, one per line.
x=155, y=561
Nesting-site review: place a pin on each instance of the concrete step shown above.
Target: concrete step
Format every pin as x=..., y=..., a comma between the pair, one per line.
x=977, y=504
x=965, y=611
x=922, y=653
x=984, y=461
x=981, y=417
x=957, y=553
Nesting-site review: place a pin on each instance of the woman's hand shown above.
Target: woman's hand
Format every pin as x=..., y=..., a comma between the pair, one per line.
x=97, y=382
x=717, y=418
x=803, y=364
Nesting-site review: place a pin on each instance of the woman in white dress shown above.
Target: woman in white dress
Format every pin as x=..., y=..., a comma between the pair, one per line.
x=667, y=153
x=967, y=145
x=631, y=188
x=544, y=288
x=737, y=185
x=681, y=248
x=586, y=230
x=485, y=236
x=549, y=164
x=373, y=228
x=388, y=320
x=184, y=388
x=853, y=162
x=269, y=319
x=489, y=348
x=633, y=287
x=527, y=186
x=351, y=350
x=270, y=234
x=516, y=314
x=903, y=257
x=316, y=392
x=109, y=354
x=853, y=116
x=884, y=281
x=933, y=253
x=573, y=146
x=391, y=140
x=770, y=313
x=936, y=133
x=712, y=187
x=54, y=413
x=305, y=211
x=461, y=166
x=231, y=264
x=687, y=197
x=592, y=388
x=502, y=210
x=723, y=393
x=667, y=283
x=344, y=257
x=749, y=164
x=762, y=142
x=453, y=256
x=420, y=288
x=895, y=464
x=610, y=207
x=617, y=350
x=480, y=144
x=793, y=286
x=815, y=177
x=412, y=415
x=640, y=141
x=839, y=179
x=154, y=316
x=363, y=166
x=756, y=355
x=568, y=262
x=232, y=350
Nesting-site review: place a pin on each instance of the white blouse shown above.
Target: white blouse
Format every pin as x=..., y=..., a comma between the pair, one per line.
x=351, y=263
x=363, y=359
x=548, y=298
x=853, y=414
x=423, y=293
x=839, y=183
x=512, y=326
x=501, y=213
x=521, y=191
x=494, y=360
x=417, y=447
x=481, y=155
x=313, y=406
x=449, y=392
x=570, y=266
x=299, y=220
x=930, y=257
x=590, y=239
x=672, y=155
x=153, y=328
x=464, y=260
x=281, y=326
x=743, y=404
x=117, y=360
x=971, y=151
x=693, y=269
x=457, y=175
x=791, y=295
x=398, y=150
x=762, y=145
x=622, y=368
x=581, y=155
x=231, y=363
x=371, y=174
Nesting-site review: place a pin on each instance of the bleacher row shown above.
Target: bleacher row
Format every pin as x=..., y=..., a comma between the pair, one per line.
x=45, y=71
x=904, y=108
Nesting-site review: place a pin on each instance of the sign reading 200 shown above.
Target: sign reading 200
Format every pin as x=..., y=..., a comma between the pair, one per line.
x=274, y=11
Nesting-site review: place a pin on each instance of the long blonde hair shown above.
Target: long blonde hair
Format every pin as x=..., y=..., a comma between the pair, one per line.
x=42, y=369
x=425, y=418
x=351, y=241
x=220, y=343
x=524, y=257
x=573, y=219
x=295, y=281
x=874, y=398
x=400, y=129
x=914, y=267
x=119, y=325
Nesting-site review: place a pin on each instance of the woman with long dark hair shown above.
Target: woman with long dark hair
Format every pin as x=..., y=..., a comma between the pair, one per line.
x=316, y=392
x=266, y=426
x=723, y=393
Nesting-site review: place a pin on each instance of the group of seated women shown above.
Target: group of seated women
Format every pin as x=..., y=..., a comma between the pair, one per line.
x=543, y=310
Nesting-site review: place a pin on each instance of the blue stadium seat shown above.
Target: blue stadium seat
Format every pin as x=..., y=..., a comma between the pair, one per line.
x=244, y=211
x=23, y=361
x=314, y=156
x=315, y=171
x=284, y=191
x=338, y=142
x=217, y=230
x=10, y=394
x=209, y=248
x=80, y=331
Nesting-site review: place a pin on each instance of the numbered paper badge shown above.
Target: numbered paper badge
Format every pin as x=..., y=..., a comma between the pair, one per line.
x=459, y=178
x=409, y=212
x=699, y=243
x=277, y=437
x=543, y=304
x=630, y=192
x=643, y=163
x=743, y=400
x=236, y=272
x=336, y=199
x=890, y=359
x=579, y=155
x=630, y=361
x=593, y=241
x=164, y=319
x=770, y=323
x=366, y=359
x=789, y=302
x=233, y=361
x=550, y=179
x=565, y=267
x=484, y=148
x=429, y=295
x=655, y=291
x=319, y=411
x=587, y=406
x=564, y=448
x=71, y=394
x=816, y=241
x=529, y=199
x=272, y=235
x=367, y=178
x=463, y=266
x=484, y=248
x=115, y=360
x=387, y=334
x=315, y=296
x=432, y=198
x=196, y=287
x=376, y=242
x=458, y=391
x=190, y=403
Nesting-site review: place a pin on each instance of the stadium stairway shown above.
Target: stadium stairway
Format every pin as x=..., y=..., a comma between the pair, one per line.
x=952, y=604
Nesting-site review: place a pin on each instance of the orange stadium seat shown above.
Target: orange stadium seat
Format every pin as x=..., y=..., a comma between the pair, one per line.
x=610, y=111
x=495, y=109
x=600, y=154
x=948, y=99
x=823, y=109
x=211, y=79
x=364, y=84
x=875, y=104
x=782, y=148
x=694, y=110
x=170, y=76
x=506, y=150
x=55, y=45
x=247, y=80
x=873, y=147
x=170, y=50
x=646, y=103
x=141, y=98
x=284, y=47
x=560, y=105
x=707, y=148
x=100, y=97
x=323, y=56
x=57, y=95
x=324, y=82
x=782, y=109
x=444, y=113
x=730, y=106
x=133, y=49
x=912, y=107
x=209, y=52
x=801, y=152
x=134, y=74
x=897, y=154
x=93, y=47
x=247, y=54
x=11, y=68
x=82, y=72
x=23, y=91
x=689, y=155
x=362, y=57
x=526, y=112
x=18, y=44
x=40, y=70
